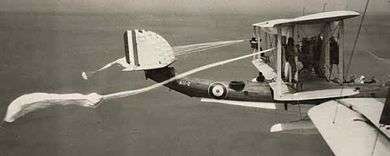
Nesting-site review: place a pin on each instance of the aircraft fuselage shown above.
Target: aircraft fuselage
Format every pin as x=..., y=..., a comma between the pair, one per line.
x=194, y=87
x=242, y=90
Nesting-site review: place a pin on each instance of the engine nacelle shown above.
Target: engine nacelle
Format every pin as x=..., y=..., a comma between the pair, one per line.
x=146, y=50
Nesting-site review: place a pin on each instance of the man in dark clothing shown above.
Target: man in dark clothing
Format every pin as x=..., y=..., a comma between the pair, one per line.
x=334, y=55
x=260, y=77
x=306, y=57
x=255, y=46
x=284, y=45
x=291, y=53
x=254, y=43
x=334, y=51
x=317, y=52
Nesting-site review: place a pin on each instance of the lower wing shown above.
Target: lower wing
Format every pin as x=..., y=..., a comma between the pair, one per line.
x=348, y=132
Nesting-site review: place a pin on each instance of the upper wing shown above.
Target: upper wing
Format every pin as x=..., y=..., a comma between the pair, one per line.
x=310, y=19
x=347, y=132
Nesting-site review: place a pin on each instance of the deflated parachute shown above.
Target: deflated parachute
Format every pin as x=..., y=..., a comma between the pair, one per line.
x=35, y=101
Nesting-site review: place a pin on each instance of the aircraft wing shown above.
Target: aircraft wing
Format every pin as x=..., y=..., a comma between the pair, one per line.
x=263, y=67
x=297, y=127
x=263, y=105
x=370, y=108
x=348, y=131
x=312, y=19
x=286, y=95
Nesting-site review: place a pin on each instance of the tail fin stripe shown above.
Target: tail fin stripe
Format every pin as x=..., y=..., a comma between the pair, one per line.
x=135, y=49
x=126, y=39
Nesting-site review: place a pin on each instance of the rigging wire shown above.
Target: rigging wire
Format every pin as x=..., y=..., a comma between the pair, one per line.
x=375, y=143
x=352, y=52
x=357, y=37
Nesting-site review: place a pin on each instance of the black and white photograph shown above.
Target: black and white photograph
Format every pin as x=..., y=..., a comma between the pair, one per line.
x=195, y=78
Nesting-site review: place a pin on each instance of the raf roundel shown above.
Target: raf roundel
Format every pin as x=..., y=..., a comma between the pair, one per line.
x=217, y=90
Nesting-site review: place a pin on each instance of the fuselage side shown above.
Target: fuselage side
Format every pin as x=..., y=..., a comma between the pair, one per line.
x=194, y=87
x=241, y=90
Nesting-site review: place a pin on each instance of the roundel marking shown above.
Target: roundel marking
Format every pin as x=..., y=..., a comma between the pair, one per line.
x=217, y=90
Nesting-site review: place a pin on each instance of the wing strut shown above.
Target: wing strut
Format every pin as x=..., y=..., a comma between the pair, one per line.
x=385, y=116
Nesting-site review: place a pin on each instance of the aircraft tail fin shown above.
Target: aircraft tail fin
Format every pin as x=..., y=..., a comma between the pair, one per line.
x=385, y=116
x=146, y=50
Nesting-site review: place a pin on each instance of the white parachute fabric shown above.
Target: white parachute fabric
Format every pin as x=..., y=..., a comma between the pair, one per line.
x=119, y=62
x=34, y=101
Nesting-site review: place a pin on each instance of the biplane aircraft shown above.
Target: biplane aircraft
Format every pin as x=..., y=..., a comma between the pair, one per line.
x=353, y=118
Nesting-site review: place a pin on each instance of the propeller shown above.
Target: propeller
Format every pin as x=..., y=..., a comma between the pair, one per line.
x=35, y=101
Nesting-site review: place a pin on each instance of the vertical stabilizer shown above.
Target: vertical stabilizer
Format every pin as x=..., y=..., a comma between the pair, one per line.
x=146, y=50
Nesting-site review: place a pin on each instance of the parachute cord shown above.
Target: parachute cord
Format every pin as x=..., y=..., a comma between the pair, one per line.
x=375, y=143
x=335, y=114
